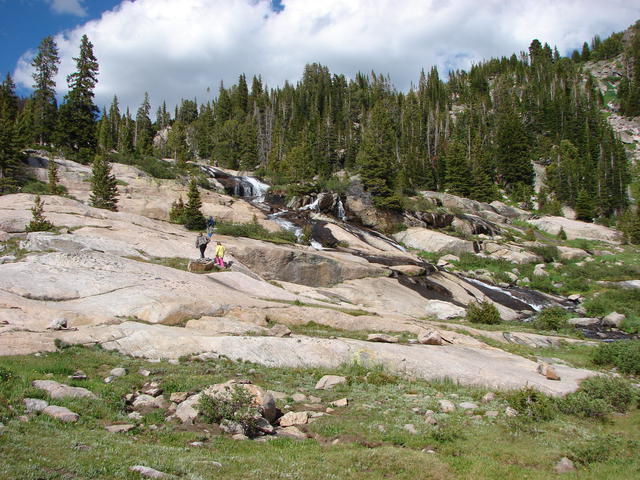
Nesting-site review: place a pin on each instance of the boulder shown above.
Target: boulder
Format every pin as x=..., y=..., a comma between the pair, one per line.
x=148, y=472
x=614, y=319
x=539, y=270
x=118, y=372
x=446, y=406
x=35, y=405
x=61, y=413
x=432, y=241
x=570, y=253
x=261, y=398
x=280, y=331
x=430, y=337
x=201, y=265
x=59, y=390
x=488, y=397
x=584, y=322
x=564, y=465
x=329, y=381
x=187, y=410
x=468, y=406
x=123, y=428
x=178, y=397
x=340, y=403
x=443, y=310
x=294, y=418
x=144, y=402
x=576, y=229
x=382, y=337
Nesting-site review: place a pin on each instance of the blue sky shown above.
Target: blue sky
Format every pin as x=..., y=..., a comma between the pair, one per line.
x=24, y=23
x=176, y=49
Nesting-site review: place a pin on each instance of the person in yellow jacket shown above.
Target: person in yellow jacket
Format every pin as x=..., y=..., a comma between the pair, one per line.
x=219, y=255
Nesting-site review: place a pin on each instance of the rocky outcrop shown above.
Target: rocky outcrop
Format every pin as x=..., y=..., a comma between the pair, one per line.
x=576, y=229
x=432, y=241
x=302, y=266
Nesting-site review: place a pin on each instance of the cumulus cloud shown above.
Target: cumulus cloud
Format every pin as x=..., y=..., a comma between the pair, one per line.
x=73, y=7
x=183, y=48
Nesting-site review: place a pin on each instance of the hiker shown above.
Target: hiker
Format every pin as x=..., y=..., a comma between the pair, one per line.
x=219, y=255
x=211, y=224
x=201, y=243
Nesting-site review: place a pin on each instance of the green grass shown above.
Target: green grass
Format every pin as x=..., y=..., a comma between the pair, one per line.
x=373, y=443
x=254, y=230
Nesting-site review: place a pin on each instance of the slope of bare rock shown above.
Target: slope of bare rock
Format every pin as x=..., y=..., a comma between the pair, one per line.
x=224, y=326
x=468, y=365
x=301, y=265
x=577, y=229
x=432, y=241
x=99, y=287
x=523, y=338
x=149, y=196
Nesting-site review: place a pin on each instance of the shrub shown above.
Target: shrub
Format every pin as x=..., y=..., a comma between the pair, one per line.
x=554, y=318
x=483, y=312
x=615, y=392
x=548, y=252
x=234, y=405
x=38, y=223
x=532, y=404
x=624, y=354
x=562, y=235
x=583, y=405
x=597, y=449
x=6, y=375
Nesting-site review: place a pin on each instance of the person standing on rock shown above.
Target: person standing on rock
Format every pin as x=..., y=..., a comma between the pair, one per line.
x=219, y=255
x=201, y=243
x=211, y=224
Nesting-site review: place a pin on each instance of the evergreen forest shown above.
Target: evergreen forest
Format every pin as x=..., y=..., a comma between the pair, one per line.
x=476, y=134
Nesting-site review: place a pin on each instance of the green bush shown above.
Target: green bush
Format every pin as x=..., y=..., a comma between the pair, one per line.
x=532, y=404
x=483, y=312
x=582, y=405
x=254, y=230
x=6, y=375
x=624, y=354
x=596, y=449
x=234, y=405
x=554, y=318
x=625, y=301
x=614, y=391
x=548, y=252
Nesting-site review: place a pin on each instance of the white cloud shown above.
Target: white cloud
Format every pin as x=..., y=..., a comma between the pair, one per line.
x=73, y=7
x=178, y=48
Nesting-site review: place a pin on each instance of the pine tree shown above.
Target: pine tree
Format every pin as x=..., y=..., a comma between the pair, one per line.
x=11, y=171
x=584, y=206
x=144, y=129
x=38, y=222
x=193, y=217
x=458, y=174
x=176, y=213
x=77, y=118
x=53, y=176
x=45, y=105
x=104, y=190
x=376, y=158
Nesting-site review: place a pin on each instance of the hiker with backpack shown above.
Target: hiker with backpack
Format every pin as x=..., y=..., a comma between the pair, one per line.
x=201, y=242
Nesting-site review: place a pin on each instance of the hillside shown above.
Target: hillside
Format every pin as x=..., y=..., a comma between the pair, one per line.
x=440, y=283
x=356, y=304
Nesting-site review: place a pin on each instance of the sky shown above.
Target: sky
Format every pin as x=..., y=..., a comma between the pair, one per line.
x=176, y=49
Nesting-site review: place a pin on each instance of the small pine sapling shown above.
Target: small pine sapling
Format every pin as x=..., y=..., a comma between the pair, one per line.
x=38, y=223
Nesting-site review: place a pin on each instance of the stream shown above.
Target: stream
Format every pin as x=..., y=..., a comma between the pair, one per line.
x=302, y=219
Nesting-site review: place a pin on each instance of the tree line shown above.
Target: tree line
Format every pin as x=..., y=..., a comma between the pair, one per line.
x=480, y=131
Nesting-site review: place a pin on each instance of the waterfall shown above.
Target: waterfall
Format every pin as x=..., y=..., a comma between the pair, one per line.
x=257, y=188
x=341, y=213
x=287, y=225
x=311, y=206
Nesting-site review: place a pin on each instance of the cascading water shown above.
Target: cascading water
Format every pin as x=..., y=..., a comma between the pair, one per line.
x=341, y=213
x=287, y=225
x=258, y=188
x=311, y=206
